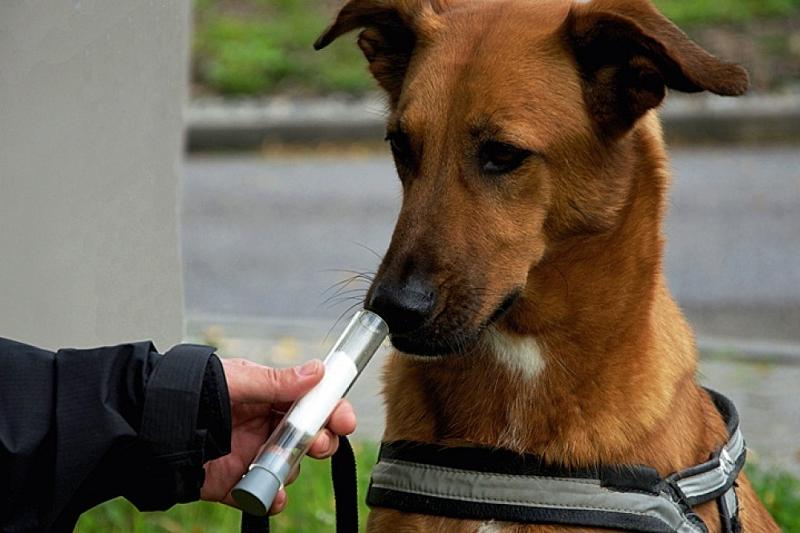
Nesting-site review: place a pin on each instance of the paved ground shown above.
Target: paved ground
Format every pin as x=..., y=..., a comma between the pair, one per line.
x=261, y=236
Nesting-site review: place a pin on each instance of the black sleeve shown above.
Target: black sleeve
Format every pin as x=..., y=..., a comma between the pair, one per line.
x=80, y=427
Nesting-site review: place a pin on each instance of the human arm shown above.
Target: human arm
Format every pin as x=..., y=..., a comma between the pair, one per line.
x=79, y=427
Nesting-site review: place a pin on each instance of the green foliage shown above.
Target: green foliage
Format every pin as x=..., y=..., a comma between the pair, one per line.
x=715, y=11
x=780, y=492
x=118, y=516
x=259, y=46
x=254, y=47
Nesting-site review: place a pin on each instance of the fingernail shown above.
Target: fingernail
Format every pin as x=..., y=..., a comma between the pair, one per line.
x=324, y=440
x=309, y=368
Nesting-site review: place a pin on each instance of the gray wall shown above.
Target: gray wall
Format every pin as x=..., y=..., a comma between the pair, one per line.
x=91, y=104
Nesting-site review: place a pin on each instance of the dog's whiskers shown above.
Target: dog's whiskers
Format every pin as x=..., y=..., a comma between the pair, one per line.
x=345, y=295
x=367, y=248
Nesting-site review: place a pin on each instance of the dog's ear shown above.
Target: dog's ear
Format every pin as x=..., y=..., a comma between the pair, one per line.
x=629, y=54
x=392, y=29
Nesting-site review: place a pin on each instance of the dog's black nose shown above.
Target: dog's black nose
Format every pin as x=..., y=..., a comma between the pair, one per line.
x=403, y=305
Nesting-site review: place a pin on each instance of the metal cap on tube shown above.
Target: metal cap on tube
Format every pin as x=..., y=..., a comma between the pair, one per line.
x=256, y=491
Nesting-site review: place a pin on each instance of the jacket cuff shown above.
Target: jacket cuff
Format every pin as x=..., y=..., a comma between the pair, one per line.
x=215, y=412
x=171, y=437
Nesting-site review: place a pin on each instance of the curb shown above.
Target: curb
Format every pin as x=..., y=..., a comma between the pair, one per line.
x=250, y=124
x=748, y=351
x=218, y=124
x=752, y=119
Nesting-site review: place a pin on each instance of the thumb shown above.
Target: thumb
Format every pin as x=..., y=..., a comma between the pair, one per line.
x=252, y=383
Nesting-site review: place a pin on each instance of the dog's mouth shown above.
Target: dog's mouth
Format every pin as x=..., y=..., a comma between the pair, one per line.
x=448, y=334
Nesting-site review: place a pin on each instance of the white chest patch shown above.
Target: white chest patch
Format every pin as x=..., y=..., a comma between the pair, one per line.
x=519, y=353
x=491, y=527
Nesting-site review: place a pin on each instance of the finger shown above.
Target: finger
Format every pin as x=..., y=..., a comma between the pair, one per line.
x=324, y=445
x=228, y=500
x=343, y=419
x=279, y=503
x=292, y=475
x=253, y=383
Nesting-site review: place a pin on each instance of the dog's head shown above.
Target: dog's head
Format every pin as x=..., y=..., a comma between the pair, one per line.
x=506, y=122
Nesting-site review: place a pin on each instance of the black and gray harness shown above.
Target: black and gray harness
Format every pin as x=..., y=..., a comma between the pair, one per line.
x=494, y=484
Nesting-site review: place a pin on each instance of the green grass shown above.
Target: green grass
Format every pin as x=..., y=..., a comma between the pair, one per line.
x=246, y=47
x=311, y=505
x=780, y=492
x=684, y=12
x=256, y=47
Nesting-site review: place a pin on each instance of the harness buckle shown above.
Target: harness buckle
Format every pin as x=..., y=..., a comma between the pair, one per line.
x=726, y=462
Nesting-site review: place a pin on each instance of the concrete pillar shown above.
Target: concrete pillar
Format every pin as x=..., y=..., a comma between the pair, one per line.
x=91, y=104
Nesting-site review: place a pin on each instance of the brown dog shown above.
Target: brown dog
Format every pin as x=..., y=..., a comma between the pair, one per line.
x=525, y=270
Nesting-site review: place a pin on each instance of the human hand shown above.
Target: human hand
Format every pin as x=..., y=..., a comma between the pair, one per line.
x=258, y=395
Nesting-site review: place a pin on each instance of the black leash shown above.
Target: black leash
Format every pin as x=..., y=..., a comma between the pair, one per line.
x=345, y=490
x=254, y=524
x=345, y=487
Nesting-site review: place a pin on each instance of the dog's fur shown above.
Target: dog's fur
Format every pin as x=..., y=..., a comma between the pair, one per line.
x=564, y=340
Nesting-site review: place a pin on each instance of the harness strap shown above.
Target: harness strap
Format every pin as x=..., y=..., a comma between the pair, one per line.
x=420, y=487
x=484, y=484
x=345, y=488
x=729, y=511
x=716, y=478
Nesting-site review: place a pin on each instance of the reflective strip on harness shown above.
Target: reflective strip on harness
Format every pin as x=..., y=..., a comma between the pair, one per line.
x=731, y=503
x=532, y=492
x=719, y=477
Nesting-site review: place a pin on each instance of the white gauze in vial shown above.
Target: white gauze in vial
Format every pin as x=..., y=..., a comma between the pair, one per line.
x=313, y=409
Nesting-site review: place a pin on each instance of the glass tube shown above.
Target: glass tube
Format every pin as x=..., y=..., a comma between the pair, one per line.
x=291, y=439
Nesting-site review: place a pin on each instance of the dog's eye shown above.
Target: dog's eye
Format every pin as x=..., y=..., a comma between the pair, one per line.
x=400, y=144
x=501, y=158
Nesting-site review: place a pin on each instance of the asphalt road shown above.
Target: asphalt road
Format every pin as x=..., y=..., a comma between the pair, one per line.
x=265, y=236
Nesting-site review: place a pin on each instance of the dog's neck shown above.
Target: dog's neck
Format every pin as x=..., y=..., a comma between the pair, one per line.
x=596, y=364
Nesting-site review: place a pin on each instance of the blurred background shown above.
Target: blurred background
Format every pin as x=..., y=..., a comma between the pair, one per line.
x=289, y=196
